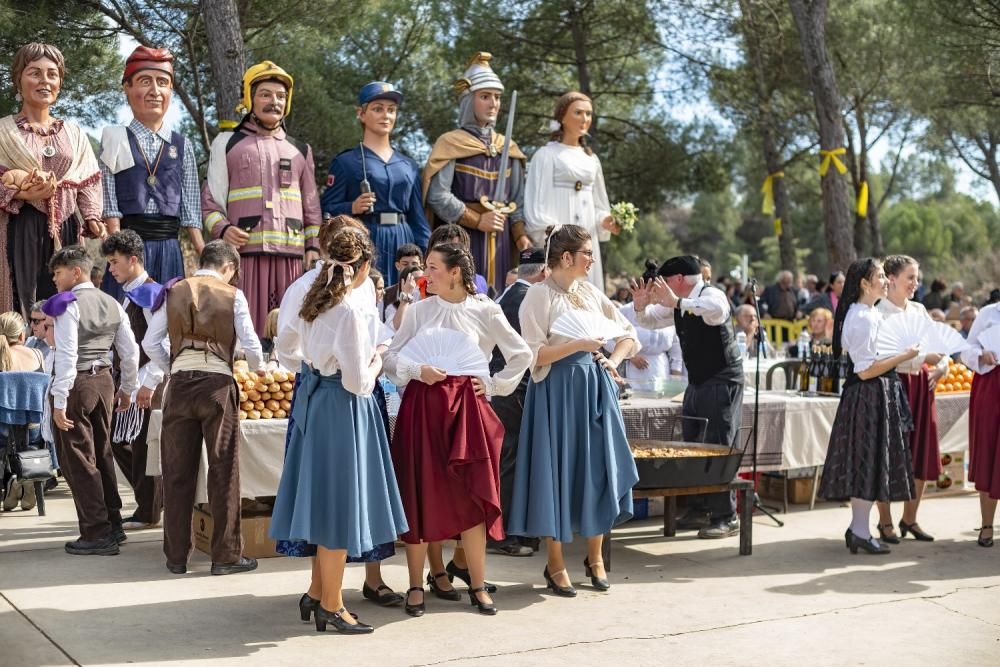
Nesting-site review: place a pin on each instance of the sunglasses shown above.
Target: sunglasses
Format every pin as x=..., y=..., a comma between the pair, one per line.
x=37, y=320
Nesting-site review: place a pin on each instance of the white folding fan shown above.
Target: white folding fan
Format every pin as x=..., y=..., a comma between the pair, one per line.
x=944, y=339
x=578, y=324
x=899, y=332
x=990, y=340
x=454, y=352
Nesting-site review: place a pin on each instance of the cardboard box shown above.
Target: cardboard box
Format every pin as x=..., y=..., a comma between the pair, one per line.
x=799, y=489
x=256, y=543
x=954, y=477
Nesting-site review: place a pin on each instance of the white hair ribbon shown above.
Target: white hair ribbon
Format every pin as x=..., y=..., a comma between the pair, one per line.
x=348, y=272
x=548, y=241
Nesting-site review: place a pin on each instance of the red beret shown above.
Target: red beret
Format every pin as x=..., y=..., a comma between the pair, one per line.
x=146, y=58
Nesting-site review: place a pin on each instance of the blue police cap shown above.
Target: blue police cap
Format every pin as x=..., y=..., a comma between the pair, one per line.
x=379, y=90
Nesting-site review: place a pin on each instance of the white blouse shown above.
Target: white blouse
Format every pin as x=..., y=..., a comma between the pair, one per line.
x=476, y=316
x=566, y=186
x=988, y=317
x=544, y=302
x=859, y=335
x=340, y=340
x=888, y=309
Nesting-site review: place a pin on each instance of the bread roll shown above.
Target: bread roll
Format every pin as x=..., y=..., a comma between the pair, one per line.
x=244, y=396
x=266, y=396
x=253, y=395
x=253, y=414
x=277, y=395
x=266, y=414
x=272, y=405
x=287, y=386
x=246, y=406
x=243, y=414
x=280, y=414
x=285, y=405
x=258, y=405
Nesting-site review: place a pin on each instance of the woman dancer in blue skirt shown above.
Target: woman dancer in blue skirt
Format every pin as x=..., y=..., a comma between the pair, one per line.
x=338, y=488
x=575, y=470
x=869, y=454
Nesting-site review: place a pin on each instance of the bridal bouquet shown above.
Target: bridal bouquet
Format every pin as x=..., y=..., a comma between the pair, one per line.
x=625, y=215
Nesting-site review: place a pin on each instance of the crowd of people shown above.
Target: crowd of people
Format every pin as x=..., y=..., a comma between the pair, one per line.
x=347, y=287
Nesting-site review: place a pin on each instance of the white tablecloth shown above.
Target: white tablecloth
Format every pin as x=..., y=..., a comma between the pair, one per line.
x=262, y=455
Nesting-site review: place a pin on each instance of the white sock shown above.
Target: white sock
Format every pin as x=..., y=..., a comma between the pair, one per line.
x=860, y=518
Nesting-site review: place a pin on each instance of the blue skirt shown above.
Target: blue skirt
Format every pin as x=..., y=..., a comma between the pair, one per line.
x=387, y=239
x=338, y=488
x=574, y=470
x=163, y=262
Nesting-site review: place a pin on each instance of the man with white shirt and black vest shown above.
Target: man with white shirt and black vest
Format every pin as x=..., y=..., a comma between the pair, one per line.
x=88, y=323
x=703, y=318
x=531, y=269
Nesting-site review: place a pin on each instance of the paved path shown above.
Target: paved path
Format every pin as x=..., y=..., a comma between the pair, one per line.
x=800, y=599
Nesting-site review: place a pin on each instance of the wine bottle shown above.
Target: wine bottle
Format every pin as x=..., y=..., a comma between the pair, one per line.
x=804, y=360
x=826, y=376
x=814, y=370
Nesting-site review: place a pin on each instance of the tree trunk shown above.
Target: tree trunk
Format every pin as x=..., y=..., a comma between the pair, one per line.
x=769, y=147
x=227, y=57
x=878, y=248
x=810, y=21
x=579, y=31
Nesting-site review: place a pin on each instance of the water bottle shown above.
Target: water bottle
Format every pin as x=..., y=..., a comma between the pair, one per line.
x=803, y=345
x=741, y=342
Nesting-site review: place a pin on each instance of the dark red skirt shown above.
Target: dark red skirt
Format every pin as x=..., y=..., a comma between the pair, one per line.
x=446, y=452
x=924, y=447
x=984, y=433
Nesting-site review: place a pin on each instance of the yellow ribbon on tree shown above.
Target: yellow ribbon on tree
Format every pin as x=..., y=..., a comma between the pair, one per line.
x=832, y=156
x=227, y=124
x=863, y=200
x=767, y=207
x=777, y=226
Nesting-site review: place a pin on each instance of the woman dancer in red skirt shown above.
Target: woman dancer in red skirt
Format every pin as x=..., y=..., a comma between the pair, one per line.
x=984, y=422
x=919, y=377
x=446, y=447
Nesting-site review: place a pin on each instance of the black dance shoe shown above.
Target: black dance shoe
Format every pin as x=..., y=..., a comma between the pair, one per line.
x=451, y=596
x=484, y=608
x=336, y=619
x=985, y=541
x=463, y=574
x=854, y=543
x=244, y=564
x=888, y=538
x=104, y=547
x=307, y=605
x=920, y=535
x=561, y=591
x=388, y=599
x=416, y=609
x=600, y=583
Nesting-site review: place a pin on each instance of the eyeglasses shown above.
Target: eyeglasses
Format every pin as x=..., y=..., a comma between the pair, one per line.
x=588, y=253
x=35, y=320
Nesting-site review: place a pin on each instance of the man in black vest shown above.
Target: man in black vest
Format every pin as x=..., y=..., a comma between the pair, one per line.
x=703, y=318
x=531, y=270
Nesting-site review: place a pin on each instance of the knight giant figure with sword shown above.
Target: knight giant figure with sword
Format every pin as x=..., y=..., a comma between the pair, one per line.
x=475, y=176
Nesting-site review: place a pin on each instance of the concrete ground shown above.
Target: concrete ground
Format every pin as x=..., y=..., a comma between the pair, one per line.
x=800, y=598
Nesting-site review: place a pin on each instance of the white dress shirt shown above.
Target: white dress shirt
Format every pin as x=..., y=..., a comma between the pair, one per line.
x=661, y=347
x=150, y=375
x=157, y=346
x=477, y=316
x=706, y=301
x=860, y=335
x=988, y=317
x=65, y=356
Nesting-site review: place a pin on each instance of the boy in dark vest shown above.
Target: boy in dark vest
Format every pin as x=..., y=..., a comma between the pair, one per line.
x=88, y=323
x=125, y=254
x=149, y=174
x=203, y=318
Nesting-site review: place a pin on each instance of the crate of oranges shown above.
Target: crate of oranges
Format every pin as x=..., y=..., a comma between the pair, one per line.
x=959, y=378
x=265, y=397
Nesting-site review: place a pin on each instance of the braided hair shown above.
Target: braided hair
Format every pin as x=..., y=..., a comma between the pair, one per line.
x=861, y=269
x=329, y=288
